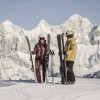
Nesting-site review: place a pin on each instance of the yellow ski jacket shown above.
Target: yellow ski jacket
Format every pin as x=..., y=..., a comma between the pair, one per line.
x=70, y=49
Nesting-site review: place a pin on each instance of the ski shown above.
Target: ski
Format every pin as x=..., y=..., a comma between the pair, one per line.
x=64, y=63
x=31, y=58
x=52, y=54
x=60, y=55
x=47, y=57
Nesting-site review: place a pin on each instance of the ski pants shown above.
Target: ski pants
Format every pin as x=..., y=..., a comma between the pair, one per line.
x=70, y=73
x=39, y=67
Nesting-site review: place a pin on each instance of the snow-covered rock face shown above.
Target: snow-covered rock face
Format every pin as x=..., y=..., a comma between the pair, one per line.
x=81, y=27
x=14, y=53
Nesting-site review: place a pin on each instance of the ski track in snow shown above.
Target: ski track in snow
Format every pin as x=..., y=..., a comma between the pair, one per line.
x=82, y=89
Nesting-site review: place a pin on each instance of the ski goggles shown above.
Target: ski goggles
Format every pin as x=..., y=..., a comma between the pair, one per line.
x=42, y=39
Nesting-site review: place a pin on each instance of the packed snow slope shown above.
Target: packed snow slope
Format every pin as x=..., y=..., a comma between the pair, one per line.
x=14, y=54
x=83, y=89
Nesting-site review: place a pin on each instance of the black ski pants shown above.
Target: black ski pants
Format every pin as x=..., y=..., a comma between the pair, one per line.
x=70, y=73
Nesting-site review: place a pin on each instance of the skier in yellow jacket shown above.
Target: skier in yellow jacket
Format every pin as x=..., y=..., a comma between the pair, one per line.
x=70, y=55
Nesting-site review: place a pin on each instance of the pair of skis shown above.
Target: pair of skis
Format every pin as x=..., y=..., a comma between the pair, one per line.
x=49, y=52
x=31, y=59
x=63, y=67
x=47, y=57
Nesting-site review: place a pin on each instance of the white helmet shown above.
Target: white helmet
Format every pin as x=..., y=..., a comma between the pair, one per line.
x=69, y=32
x=41, y=36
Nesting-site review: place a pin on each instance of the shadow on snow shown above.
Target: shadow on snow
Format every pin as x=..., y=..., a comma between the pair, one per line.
x=6, y=83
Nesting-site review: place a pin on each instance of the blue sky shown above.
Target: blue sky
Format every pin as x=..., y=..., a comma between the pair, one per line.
x=28, y=13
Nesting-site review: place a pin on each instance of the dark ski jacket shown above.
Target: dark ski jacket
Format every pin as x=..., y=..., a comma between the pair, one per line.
x=39, y=51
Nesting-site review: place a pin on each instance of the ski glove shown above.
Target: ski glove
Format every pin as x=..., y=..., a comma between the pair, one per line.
x=52, y=52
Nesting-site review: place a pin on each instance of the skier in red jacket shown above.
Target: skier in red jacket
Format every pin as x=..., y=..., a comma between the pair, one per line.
x=39, y=51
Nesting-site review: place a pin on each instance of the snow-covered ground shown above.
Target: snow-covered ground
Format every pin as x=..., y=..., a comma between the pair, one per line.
x=83, y=89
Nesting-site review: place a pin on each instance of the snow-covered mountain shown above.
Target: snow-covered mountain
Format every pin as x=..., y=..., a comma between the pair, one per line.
x=14, y=53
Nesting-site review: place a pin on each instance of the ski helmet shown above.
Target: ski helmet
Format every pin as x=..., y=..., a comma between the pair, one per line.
x=41, y=36
x=69, y=32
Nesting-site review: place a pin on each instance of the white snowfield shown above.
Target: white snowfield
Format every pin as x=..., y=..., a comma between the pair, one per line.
x=83, y=89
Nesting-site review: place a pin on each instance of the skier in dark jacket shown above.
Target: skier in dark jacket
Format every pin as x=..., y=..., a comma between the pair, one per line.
x=70, y=54
x=39, y=51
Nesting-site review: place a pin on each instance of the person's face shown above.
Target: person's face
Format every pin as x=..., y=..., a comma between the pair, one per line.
x=69, y=36
x=42, y=40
